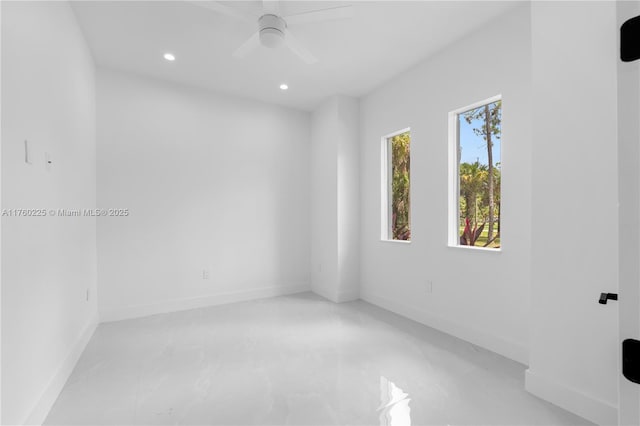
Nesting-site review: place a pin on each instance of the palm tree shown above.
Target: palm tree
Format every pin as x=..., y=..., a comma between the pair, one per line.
x=491, y=115
x=473, y=179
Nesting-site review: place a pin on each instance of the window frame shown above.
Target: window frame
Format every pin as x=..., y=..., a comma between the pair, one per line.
x=386, y=233
x=454, y=175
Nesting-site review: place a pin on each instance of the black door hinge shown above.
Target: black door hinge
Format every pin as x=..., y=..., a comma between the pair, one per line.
x=630, y=40
x=631, y=360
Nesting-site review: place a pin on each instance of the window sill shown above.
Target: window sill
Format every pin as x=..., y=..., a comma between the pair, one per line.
x=473, y=248
x=396, y=241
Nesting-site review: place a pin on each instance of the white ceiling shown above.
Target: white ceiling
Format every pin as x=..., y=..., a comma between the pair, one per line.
x=355, y=55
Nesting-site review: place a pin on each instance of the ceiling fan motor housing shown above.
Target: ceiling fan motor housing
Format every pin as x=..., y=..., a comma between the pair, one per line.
x=272, y=29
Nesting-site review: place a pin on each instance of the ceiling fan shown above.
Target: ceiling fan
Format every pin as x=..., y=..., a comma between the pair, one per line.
x=273, y=28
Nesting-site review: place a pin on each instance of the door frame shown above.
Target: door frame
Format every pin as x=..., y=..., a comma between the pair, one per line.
x=628, y=215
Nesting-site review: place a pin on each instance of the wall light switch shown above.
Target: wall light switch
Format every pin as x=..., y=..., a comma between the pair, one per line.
x=206, y=274
x=27, y=152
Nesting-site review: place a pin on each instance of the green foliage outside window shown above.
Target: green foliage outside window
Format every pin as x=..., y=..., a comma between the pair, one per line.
x=400, y=185
x=479, y=201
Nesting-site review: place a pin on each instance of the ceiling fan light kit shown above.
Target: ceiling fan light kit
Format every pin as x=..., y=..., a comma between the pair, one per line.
x=272, y=28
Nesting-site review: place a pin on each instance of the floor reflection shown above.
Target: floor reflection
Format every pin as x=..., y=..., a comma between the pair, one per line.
x=294, y=360
x=394, y=405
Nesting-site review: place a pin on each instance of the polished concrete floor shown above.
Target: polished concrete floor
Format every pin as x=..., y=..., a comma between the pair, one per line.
x=294, y=360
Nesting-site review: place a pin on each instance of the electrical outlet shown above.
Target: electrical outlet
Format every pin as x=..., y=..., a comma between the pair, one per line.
x=206, y=274
x=87, y=295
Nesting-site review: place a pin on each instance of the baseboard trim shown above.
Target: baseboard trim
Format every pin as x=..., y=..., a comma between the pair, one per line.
x=50, y=394
x=592, y=409
x=511, y=350
x=320, y=292
x=139, y=311
x=347, y=296
x=340, y=297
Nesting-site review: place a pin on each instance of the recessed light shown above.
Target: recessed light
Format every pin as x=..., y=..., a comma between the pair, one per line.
x=169, y=57
x=284, y=87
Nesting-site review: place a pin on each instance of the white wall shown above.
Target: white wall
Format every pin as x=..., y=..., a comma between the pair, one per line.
x=1, y=205
x=48, y=263
x=479, y=296
x=348, y=157
x=324, y=201
x=211, y=182
x=335, y=199
x=574, y=340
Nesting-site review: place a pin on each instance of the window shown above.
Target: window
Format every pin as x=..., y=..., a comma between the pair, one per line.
x=396, y=208
x=475, y=174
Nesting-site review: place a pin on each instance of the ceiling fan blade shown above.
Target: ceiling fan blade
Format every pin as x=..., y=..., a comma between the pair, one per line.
x=297, y=48
x=271, y=7
x=248, y=46
x=334, y=13
x=224, y=9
